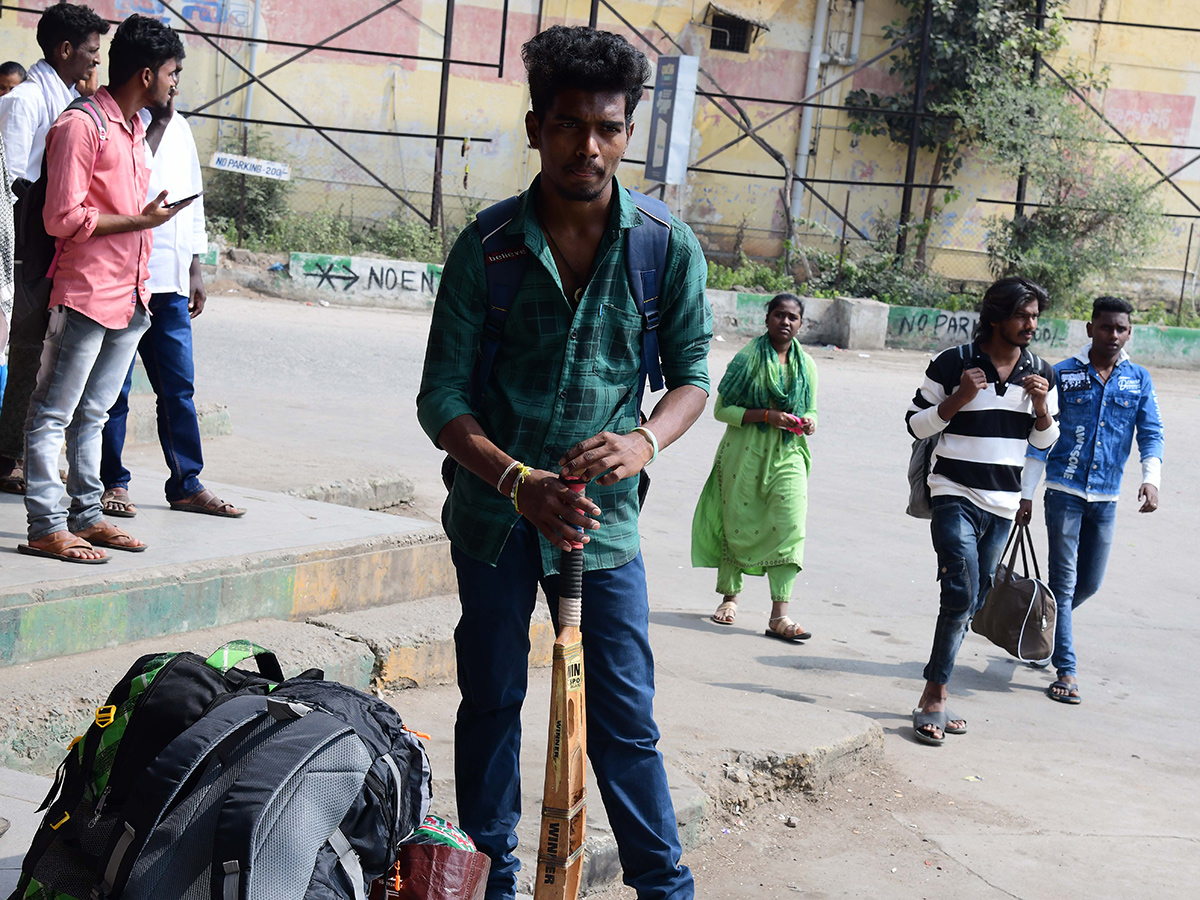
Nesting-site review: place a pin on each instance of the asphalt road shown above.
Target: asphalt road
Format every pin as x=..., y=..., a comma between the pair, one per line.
x=1039, y=799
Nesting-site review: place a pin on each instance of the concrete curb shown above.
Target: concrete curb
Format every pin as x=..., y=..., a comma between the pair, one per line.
x=52, y=619
x=382, y=492
x=413, y=642
x=142, y=424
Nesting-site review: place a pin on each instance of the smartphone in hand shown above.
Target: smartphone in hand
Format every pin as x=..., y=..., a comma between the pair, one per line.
x=175, y=203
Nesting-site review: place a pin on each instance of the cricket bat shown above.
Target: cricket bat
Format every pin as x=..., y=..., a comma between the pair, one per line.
x=564, y=796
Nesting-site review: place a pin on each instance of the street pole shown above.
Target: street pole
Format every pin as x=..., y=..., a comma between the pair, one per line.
x=1023, y=178
x=1183, y=287
x=594, y=14
x=910, y=169
x=436, y=212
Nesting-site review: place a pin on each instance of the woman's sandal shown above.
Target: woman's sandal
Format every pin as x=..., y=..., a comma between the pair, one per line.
x=116, y=502
x=787, y=630
x=726, y=613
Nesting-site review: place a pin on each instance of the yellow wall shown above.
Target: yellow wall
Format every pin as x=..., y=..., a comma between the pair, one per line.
x=1153, y=76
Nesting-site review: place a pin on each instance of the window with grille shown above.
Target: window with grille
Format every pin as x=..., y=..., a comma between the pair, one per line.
x=730, y=33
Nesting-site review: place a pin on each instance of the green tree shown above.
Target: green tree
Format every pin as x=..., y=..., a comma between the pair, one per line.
x=1096, y=212
x=266, y=198
x=966, y=36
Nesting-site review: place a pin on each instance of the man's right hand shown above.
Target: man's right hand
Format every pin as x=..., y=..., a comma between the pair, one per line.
x=970, y=384
x=555, y=510
x=156, y=214
x=1025, y=512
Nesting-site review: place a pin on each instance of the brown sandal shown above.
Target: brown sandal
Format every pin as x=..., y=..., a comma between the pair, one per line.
x=116, y=502
x=106, y=534
x=209, y=504
x=61, y=542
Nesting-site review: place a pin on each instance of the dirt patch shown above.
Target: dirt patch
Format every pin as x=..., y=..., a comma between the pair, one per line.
x=853, y=840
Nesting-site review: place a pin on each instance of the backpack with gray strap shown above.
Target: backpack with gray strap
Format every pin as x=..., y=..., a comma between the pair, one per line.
x=297, y=790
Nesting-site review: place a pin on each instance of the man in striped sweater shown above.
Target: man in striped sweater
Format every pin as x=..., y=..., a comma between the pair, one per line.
x=986, y=399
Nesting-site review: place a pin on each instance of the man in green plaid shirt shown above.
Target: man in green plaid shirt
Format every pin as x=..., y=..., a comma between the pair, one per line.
x=562, y=399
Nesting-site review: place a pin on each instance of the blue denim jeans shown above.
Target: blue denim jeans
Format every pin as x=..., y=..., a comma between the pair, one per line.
x=83, y=364
x=167, y=354
x=968, y=542
x=1081, y=535
x=492, y=642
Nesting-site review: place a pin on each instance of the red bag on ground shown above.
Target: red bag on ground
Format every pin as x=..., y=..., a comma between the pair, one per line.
x=434, y=872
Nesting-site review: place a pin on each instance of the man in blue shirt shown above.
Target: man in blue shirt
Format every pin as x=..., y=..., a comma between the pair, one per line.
x=1105, y=398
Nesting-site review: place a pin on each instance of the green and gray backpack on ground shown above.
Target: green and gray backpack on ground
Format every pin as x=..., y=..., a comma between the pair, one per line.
x=202, y=780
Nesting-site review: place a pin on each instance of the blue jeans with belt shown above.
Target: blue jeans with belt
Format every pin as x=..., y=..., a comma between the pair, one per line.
x=492, y=642
x=166, y=351
x=968, y=541
x=1081, y=535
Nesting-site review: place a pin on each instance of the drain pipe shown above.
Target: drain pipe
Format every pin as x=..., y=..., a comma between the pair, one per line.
x=810, y=85
x=851, y=57
x=252, y=62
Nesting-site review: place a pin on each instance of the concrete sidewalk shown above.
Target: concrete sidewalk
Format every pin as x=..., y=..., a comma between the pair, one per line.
x=288, y=558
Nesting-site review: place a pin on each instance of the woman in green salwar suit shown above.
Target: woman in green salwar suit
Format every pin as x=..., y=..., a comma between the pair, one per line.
x=750, y=516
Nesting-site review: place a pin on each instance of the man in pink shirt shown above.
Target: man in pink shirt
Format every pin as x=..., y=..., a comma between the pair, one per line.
x=95, y=193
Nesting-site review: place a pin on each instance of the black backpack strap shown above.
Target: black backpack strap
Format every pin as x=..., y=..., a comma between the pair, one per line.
x=646, y=258
x=92, y=107
x=241, y=824
x=164, y=778
x=505, y=257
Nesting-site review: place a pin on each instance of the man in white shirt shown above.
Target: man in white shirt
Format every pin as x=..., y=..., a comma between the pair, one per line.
x=69, y=36
x=176, y=297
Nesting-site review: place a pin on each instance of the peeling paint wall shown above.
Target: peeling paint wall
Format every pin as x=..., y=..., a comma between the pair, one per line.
x=1153, y=78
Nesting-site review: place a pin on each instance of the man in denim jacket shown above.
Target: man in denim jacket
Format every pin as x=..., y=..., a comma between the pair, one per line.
x=1105, y=398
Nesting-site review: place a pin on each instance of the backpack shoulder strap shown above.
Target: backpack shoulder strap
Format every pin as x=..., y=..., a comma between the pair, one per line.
x=94, y=112
x=165, y=778
x=505, y=257
x=241, y=847
x=646, y=258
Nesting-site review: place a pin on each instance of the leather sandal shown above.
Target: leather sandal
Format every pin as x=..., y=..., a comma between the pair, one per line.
x=60, y=542
x=726, y=613
x=786, y=630
x=106, y=534
x=209, y=504
x=116, y=502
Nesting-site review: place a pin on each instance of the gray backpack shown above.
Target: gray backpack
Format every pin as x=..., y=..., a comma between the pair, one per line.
x=301, y=790
x=920, y=461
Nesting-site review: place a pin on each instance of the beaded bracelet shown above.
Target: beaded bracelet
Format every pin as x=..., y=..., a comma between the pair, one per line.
x=649, y=435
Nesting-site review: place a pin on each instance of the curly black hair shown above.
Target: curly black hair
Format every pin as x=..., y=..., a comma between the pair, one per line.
x=564, y=57
x=70, y=23
x=141, y=42
x=1002, y=300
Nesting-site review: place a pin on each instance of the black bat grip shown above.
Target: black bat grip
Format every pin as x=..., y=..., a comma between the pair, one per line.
x=570, y=572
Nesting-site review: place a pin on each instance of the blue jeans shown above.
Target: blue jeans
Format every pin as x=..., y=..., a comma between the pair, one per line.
x=167, y=354
x=968, y=542
x=492, y=642
x=1081, y=535
x=79, y=378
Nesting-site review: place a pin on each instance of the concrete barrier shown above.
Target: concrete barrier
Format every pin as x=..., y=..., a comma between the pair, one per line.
x=932, y=330
x=855, y=323
x=364, y=281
